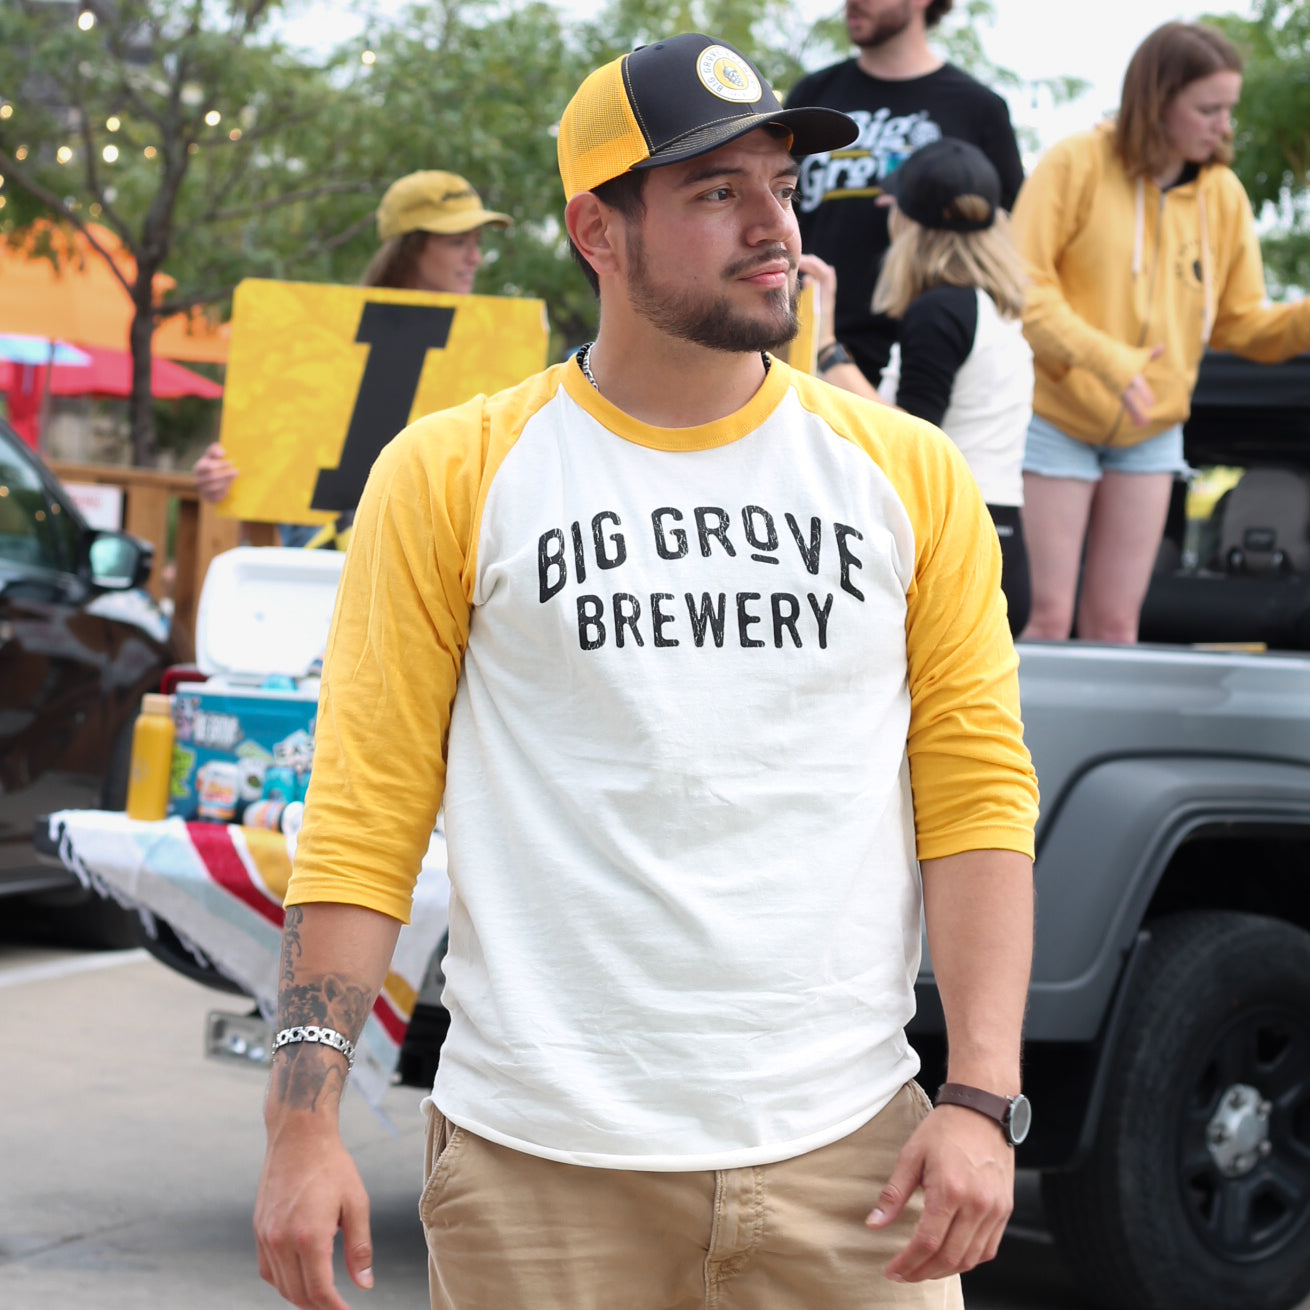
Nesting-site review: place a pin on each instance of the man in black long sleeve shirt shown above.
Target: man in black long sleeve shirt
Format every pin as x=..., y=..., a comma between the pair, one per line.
x=903, y=96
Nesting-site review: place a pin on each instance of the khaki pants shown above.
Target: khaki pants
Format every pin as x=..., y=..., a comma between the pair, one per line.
x=509, y=1231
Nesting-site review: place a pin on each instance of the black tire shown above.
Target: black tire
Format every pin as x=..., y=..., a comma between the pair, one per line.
x=1151, y=1221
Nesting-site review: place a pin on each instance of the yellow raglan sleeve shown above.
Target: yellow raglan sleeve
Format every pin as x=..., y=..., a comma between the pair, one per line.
x=972, y=778
x=1245, y=322
x=1047, y=215
x=393, y=657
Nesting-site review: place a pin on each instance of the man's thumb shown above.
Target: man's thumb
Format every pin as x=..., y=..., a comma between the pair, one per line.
x=900, y=1187
x=357, y=1243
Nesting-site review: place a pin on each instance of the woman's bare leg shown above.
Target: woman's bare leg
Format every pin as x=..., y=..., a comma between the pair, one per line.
x=1055, y=512
x=1123, y=539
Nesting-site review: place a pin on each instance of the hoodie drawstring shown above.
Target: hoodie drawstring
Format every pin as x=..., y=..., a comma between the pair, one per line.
x=1207, y=274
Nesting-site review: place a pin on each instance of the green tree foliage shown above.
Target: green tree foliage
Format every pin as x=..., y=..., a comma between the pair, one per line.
x=1272, y=147
x=178, y=128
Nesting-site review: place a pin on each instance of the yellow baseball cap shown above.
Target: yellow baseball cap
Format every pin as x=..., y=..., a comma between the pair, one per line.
x=675, y=100
x=433, y=201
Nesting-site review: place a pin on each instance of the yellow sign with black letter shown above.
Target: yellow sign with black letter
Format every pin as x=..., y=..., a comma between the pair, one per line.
x=321, y=377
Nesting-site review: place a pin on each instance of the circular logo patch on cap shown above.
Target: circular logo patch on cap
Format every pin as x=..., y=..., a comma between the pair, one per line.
x=726, y=74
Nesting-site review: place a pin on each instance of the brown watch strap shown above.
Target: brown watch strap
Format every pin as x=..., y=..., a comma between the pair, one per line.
x=988, y=1103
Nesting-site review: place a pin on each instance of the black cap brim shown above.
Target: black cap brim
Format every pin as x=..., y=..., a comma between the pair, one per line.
x=812, y=129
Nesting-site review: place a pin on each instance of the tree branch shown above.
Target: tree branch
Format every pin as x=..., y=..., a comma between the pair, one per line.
x=292, y=198
x=56, y=203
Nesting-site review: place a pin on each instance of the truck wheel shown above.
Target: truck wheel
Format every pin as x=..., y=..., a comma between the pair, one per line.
x=1197, y=1189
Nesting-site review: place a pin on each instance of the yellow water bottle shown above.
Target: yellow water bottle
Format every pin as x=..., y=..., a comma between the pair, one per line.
x=152, y=759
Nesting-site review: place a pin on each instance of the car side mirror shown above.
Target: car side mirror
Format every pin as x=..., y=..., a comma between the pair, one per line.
x=119, y=561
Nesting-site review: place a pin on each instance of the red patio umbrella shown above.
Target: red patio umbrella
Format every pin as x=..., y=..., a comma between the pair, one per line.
x=108, y=374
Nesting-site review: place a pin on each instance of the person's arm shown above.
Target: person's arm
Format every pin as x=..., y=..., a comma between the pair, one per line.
x=975, y=809
x=936, y=337
x=334, y=961
x=978, y=908
x=389, y=677
x=844, y=373
x=1245, y=322
x=997, y=141
x=1046, y=217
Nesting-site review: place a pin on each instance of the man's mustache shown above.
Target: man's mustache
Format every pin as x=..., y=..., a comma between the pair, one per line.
x=747, y=266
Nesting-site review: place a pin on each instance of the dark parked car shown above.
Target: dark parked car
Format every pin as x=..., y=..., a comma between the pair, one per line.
x=80, y=642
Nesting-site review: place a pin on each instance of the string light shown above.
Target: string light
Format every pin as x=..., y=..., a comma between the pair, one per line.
x=64, y=154
x=109, y=154
x=86, y=20
x=6, y=110
x=94, y=210
x=234, y=134
x=368, y=57
x=150, y=152
x=213, y=118
x=20, y=153
x=113, y=123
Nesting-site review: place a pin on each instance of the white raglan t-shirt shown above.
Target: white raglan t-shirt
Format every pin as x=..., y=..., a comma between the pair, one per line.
x=710, y=692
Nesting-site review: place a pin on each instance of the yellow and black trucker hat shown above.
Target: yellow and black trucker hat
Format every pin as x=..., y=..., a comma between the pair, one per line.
x=674, y=100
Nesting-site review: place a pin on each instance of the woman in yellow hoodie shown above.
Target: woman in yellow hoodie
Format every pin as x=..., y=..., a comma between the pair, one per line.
x=1140, y=248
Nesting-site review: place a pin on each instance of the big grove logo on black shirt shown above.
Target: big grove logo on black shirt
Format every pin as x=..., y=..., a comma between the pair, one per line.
x=884, y=143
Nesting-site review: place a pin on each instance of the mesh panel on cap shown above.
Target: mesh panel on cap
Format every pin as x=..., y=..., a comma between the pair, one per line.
x=599, y=137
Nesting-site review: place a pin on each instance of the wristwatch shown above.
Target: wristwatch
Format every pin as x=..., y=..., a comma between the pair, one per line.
x=831, y=355
x=1013, y=1113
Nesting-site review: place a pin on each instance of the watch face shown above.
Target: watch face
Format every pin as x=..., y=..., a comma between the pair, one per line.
x=1020, y=1118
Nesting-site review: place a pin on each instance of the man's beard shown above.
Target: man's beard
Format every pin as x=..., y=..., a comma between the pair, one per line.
x=709, y=320
x=886, y=25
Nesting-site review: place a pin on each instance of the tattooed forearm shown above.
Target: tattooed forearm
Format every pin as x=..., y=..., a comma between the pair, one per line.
x=305, y=1075
x=291, y=923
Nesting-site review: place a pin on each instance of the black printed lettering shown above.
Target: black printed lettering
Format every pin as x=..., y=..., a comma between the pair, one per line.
x=663, y=535
x=745, y=619
x=603, y=556
x=550, y=561
x=781, y=600
x=706, y=617
x=821, y=617
x=658, y=618
x=848, y=560
x=704, y=531
x=579, y=556
x=767, y=540
x=810, y=552
x=627, y=610
x=591, y=622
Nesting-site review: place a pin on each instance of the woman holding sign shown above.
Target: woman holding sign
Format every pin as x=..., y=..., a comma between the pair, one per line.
x=430, y=225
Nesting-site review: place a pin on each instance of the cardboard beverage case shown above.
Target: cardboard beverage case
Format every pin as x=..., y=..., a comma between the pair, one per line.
x=261, y=628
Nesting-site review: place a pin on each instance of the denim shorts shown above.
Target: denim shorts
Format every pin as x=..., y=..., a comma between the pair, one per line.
x=1053, y=454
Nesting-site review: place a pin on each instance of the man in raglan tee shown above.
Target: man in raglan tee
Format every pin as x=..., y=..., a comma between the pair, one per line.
x=903, y=96
x=709, y=664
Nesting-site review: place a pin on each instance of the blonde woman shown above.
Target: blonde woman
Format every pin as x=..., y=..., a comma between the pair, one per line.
x=1141, y=251
x=953, y=279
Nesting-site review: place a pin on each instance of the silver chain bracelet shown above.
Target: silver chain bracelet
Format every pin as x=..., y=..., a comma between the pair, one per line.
x=312, y=1033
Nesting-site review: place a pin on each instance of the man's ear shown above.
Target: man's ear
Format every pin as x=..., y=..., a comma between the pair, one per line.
x=595, y=229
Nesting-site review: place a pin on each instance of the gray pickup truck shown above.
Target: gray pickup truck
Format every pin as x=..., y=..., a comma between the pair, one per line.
x=1167, y=1050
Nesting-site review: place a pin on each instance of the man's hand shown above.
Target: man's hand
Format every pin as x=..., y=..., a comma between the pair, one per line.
x=966, y=1169
x=308, y=1189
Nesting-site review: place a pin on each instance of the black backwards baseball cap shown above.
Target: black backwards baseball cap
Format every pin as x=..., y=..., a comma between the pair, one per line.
x=674, y=100
x=927, y=185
